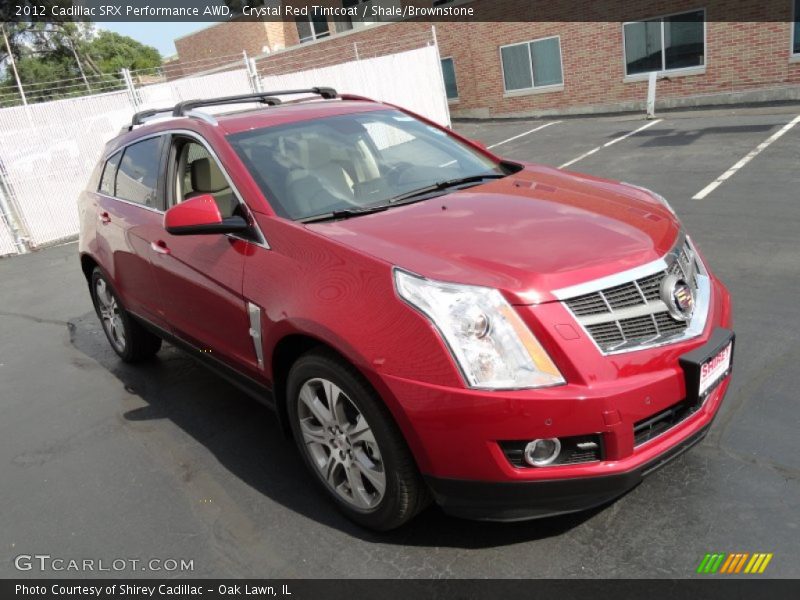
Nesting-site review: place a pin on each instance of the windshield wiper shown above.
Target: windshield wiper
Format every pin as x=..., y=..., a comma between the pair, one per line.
x=443, y=185
x=407, y=198
x=345, y=213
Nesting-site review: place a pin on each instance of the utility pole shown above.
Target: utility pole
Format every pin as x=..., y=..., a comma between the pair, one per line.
x=13, y=65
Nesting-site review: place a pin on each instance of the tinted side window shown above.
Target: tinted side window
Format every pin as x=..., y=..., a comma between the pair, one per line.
x=109, y=175
x=137, y=177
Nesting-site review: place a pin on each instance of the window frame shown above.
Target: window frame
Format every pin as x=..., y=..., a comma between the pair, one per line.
x=314, y=35
x=697, y=70
x=121, y=151
x=164, y=173
x=534, y=89
x=455, y=77
x=106, y=162
x=159, y=205
x=794, y=32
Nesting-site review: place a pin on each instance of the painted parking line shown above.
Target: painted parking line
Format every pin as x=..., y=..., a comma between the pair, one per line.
x=611, y=143
x=516, y=137
x=750, y=156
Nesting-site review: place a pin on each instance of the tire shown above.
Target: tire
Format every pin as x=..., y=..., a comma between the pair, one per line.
x=129, y=339
x=369, y=436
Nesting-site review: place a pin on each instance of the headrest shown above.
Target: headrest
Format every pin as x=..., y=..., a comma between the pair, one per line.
x=207, y=176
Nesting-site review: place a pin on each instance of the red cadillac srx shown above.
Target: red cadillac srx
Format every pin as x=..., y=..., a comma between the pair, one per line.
x=428, y=320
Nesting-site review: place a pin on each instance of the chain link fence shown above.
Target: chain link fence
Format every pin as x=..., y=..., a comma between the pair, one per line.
x=48, y=149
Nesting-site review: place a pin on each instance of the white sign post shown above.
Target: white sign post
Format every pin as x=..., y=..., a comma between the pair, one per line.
x=651, y=96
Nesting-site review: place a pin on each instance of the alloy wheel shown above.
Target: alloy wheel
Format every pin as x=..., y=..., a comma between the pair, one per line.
x=110, y=314
x=340, y=443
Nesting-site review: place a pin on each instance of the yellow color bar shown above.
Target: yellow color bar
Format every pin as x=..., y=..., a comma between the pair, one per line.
x=753, y=563
x=764, y=564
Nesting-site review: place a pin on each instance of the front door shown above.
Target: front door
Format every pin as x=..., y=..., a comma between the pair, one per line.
x=200, y=276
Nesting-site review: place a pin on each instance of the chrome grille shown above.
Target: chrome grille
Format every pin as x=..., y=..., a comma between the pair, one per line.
x=631, y=315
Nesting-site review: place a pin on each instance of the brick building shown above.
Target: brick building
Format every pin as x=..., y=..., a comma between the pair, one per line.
x=704, y=51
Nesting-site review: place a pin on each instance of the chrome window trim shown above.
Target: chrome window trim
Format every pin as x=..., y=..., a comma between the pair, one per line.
x=129, y=202
x=262, y=242
x=695, y=326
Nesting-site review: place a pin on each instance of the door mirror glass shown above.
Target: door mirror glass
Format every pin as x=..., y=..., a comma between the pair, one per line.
x=200, y=215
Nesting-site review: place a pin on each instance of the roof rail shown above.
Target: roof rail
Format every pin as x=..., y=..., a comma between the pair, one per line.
x=140, y=117
x=264, y=97
x=184, y=109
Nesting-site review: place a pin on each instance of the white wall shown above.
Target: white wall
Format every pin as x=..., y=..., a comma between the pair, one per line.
x=49, y=149
x=411, y=79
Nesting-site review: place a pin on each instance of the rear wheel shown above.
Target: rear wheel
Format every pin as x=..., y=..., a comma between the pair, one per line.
x=129, y=339
x=351, y=444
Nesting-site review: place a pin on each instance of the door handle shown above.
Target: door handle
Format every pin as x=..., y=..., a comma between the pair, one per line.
x=160, y=247
x=104, y=218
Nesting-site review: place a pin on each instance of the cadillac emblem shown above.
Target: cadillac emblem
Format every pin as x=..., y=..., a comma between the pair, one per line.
x=678, y=296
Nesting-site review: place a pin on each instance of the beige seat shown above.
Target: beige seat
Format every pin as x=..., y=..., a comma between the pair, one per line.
x=322, y=182
x=207, y=178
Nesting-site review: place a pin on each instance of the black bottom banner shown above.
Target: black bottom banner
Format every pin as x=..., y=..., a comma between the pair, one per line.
x=386, y=589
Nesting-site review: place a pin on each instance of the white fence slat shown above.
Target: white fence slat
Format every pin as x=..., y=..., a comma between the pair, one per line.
x=409, y=79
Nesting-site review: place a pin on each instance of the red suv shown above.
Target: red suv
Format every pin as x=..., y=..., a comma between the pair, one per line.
x=427, y=320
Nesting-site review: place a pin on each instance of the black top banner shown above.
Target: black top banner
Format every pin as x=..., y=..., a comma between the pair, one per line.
x=371, y=11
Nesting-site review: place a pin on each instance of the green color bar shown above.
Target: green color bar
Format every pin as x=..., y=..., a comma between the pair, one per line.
x=703, y=563
x=718, y=563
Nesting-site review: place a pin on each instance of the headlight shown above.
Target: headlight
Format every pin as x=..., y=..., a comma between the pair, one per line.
x=655, y=195
x=490, y=343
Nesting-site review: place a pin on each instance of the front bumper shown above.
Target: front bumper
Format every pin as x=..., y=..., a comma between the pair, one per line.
x=518, y=501
x=456, y=433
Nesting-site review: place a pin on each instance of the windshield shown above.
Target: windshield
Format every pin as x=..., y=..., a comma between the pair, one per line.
x=353, y=162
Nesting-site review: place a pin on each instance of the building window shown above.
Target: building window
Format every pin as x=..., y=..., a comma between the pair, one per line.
x=449, y=73
x=365, y=17
x=531, y=65
x=796, y=38
x=665, y=43
x=312, y=28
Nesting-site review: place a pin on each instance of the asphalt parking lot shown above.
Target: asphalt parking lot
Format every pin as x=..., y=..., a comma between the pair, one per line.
x=103, y=460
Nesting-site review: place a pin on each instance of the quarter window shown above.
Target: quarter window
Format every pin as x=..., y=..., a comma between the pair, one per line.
x=533, y=64
x=449, y=73
x=665, y=43
x=137, y=176
x=109, y=175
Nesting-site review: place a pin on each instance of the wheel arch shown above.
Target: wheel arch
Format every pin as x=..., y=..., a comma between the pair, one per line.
x=88, y=264
x=293, y=345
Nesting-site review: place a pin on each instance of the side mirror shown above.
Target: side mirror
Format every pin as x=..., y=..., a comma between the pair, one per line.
x=200, y=215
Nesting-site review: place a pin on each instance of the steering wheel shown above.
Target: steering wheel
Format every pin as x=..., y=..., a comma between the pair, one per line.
x=395, y=172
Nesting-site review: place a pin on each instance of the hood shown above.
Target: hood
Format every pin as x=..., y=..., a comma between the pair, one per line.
x=527, y=234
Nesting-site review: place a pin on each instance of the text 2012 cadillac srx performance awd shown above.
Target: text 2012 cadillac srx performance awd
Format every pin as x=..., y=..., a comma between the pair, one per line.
x=428, y=320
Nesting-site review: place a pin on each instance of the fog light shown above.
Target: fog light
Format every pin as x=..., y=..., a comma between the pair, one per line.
x=540, y=453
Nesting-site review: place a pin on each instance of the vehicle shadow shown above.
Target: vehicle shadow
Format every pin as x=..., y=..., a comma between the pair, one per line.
x=245, y=438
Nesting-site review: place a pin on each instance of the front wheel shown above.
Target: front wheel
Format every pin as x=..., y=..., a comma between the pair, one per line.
x=351, y=444
x=129, y=339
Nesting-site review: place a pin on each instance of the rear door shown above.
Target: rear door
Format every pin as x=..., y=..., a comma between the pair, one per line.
x=130, y=213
